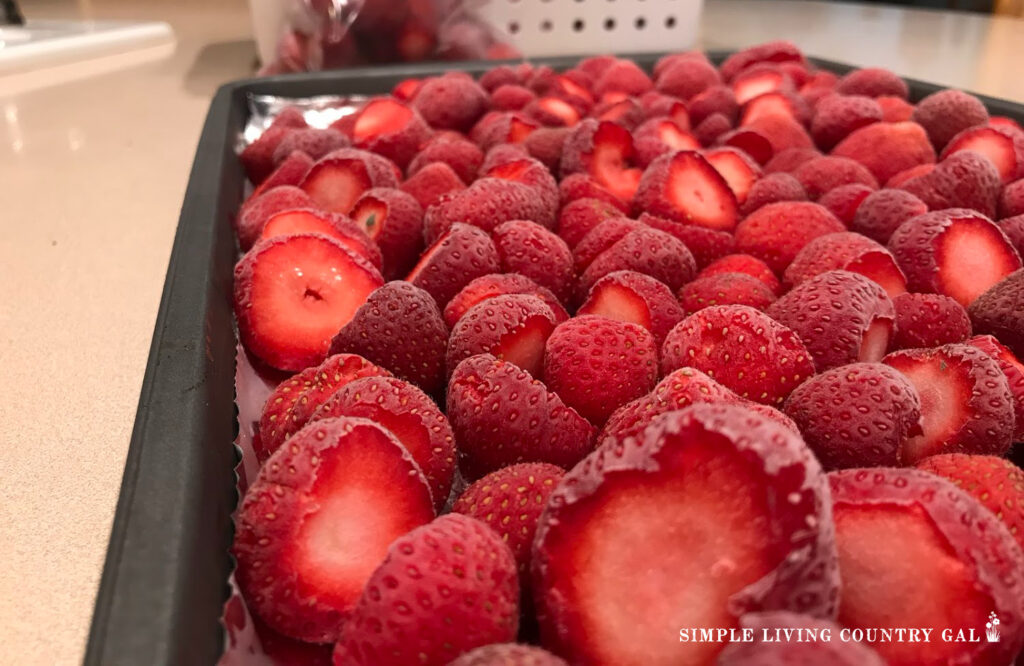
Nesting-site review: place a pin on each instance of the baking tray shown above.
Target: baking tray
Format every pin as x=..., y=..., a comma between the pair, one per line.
x=165, y=576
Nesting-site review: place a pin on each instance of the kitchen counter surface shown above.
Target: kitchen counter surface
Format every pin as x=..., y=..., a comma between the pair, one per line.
x=92, y=173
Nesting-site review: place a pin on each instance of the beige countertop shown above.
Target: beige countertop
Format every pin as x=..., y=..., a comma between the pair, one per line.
x=92, y=174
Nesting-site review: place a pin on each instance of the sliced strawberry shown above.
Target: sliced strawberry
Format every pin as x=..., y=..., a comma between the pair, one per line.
x=313, y=221
x=739, y=171
x=388, y=127
x=757, y=81
x=929, y=320
x=658, y=136
x=775, y=103
x=887, y=148
x=532, y=173
x=337, y=181
x=725, y=289
x=292, y=293
x=552, y=112
x=512, y=327
x=883, y=211
x=773, y=188
x=873, y=82
x=764, y=648
x=341, y=486
x=600, y=238
x=462, y=253
x=508, y=654
x=605, y=151
x=255, y=212
x=717, y=489
x=1014, y=371
x=504, y=127
x=744, y=263
x=913, y=541
x=998, y=312
x=502, y=415
x=290, y=171
x=394, y=220
x=843, y=201
x=849, y=252
x=750, y=141
x=406, y=89
x=908, y=174
x=627, y=112
x=955, y=252
x=637, y=298
x=499, y=284
x=965, y=401
x=835, y=116
x=946, y=113
x=777, y=232
x=1003, y=147
x=685, y=187
x=965, y=179
x=583, y=186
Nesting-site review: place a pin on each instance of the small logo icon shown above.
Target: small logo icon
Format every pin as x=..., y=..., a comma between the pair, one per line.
x=992, y=628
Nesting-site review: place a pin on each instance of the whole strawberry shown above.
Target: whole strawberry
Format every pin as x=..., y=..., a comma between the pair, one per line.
x=444, y=588
x=508, y=654
x=929, y=320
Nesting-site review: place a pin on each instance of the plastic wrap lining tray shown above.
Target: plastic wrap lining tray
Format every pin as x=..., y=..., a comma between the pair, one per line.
x=165, y=577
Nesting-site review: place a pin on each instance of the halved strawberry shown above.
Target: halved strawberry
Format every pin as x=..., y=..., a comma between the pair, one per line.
x=532, y=173
x=685, y=187
x=337, y=181
x=512, y=327
x=751, y=141
x=623, y=76
x=725, y=289
x=1003, y=147
x=717, y=490
x=388, y=127
x=637, y=298
x=394, y=220
x=626, y=112
x=605, y=151
x=887, y=148
x=782, y=133
x=552, y=112
x=965, y=401
x=499, y=284
x=406, y=89
x=319, y=519
x=1014, y=371
x=895, y=109
x=955, y=252
x=581, y=216
x=658, y=136
x=776, y=102
x=739, y=171
x=583, y=186
x=759, y=80
x=502, y=127
x=908, y=174
x=777, y=232
x=913, y=541
x=462, y=253
x=292, y=293
x=290, y=171
x=716, y=126
x=744, y=263
x=849, y=252
x=788, y=160
x=998, y=312
x=315, y=221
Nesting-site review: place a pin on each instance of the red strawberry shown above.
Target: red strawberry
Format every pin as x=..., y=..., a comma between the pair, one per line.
x=716, y=125
x=706, y=245
x=1013, y=227
x=777, y=232
x=773, y=188
x=313, y=142
x=451, y=101
x=462, y=155
x=622, y=76
x=605, y=151
x=499, y=284
x=502, y=415
x=656, y=104
x=749, y=140
x=637, y=298
x=962, y=180
x=444, y=588
x=337, y=181
x=658, y=136
x=545, y=145
x=498, y=76
x=511, y=97
x=856, y=415
x=508, y=654
x=907, y=174
x=407, y=413
x=759, y=80
x=895, y=109
x=998, y=312
x=741, y=348
x=341, y=485
x=583, y=186
x=835, y=116
x=790, y=159
x=779, y=102
x=709, y=470
x=487, y=203
x=849, y=252
x=929, y=320
x=913, y=541
x=644, y=250
x=781, y=132
x=510, y=501
x=388, y=127
x=996, y=483
x=739, y=171
x=532, y=173
x=725, y=289
x=580, y=217
x=843, y=201
x=459, y=255
x=887, y=148
x=432, y=182
x=715, y=99
x=771, y=52
x=595, y=364
x=258, y=157
x=1004, y=122
x=399, y=328
x=394, y=220
x=965, y=401
x=873, y=82
x=955, y=252
x=687, y=78
x=512, y=327
x=627, y=112
x=744, y=263
x=1011, y=201
x=822, y=174
x=290, y=171
x=1003, y=147
x=259, y=208
x=1014, y=371
x=529, y=249
x=288, y=323
x=819, y=85
x=685, y=187
x=766, y=649
x=273, y=427
x=406, y=89
x=883, y=211
x=497, y=128
x=314, y=221
x=946, y=113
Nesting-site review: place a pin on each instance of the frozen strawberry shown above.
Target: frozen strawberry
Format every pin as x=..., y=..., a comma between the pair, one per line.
x=406, y=89
x=769, y=645
x=685, y=187
x=393, y=219
x=545, y=145
x=602, y=237
x=1004, y=122
x=908, y=174
x=929, y=320
x=462, y=155
x=739, y=171
x=532, y=173
x=962, y=180
x=292, y=293
x=574, y=87
x=872, y=82
x=819, y=84
x=499, y=284
x=637, y=298
x=338, y=227
x=965, y=401
x=502, y=127
x=844, y=200
x=451, y=101
x=895, y=109
x=552, y=112
x=595, y=364
x=645, y=250
x=710, y=470
x=622, y=76
x=856, y=415
x=776, y=233
x=1011, y=201
x=502, y=415
x=512, y=327
x=725, y=289
x=1014, y=371
x=487, y=203
x=658, y=105
x=779, y=102
x=742, y=349
x=313, y=142
x=627, y=112
x=583, y=186
x=946, y=113
x=605, y=151
x=337, y=181
x=687, y=78
x=744, y=263
x=717, y=125
x=666, y=61
x=255, y=212
x=407, y=413
x=835, y=116
x=258, y=157
x=511, y=97
x=581, y=216
x=955, y=252
x=342, y=485
x=706, y=245
x=455, y=582
x=769, y=52
x=431, y=182
x=782, y=134
x=498, y=76
x=822, y=174
x=790, y=159
x=759, y=80
x=290, y=171
x=887, y=148
x=658, y=136
x=1003, y=147
x=773, y=188
x=750, y=141
x=399, y=328
x=510, y=501
x=529, y=249
x=996, y=483
x=998, y=312
x=388, y=127
x=849, y=252
x=910, y=540
x=508, y=654
x=594, y=66
x=883, y=211
x=501, y=154
x=1013, y=227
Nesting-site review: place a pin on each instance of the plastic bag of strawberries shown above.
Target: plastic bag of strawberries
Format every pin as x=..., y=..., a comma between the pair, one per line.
x=329, y=34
